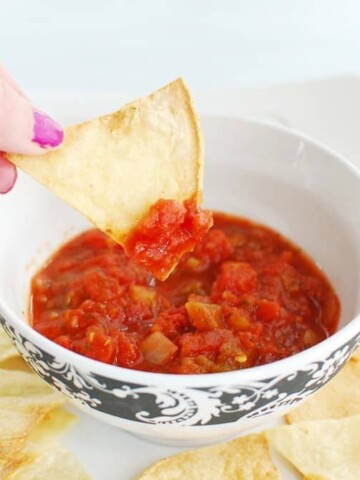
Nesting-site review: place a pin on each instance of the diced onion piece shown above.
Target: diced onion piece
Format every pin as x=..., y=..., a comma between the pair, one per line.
x=157, y=348
x=139, y=293
x=204, y=316
x=310, y=337
x=192, y=287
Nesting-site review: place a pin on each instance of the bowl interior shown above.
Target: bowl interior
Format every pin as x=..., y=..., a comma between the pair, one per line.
x=253, y=170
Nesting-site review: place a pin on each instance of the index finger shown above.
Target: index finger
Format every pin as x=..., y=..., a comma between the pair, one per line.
x=4, y=75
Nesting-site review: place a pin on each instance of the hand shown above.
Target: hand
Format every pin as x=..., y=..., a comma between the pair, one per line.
x=23, y=129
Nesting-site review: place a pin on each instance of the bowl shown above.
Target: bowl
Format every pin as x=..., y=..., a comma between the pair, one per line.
x=272, y=175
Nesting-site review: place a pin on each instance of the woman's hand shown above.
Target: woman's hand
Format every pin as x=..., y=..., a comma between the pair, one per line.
x=22, y=129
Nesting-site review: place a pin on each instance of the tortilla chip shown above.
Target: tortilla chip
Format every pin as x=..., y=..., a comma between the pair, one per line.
x=47, y=462
x=54, y=423
x=356, y=355
x=19, y=416
x=7, y=349
x=339, y=398
x=16, y=363
x=245, y=458
x=18, y=383
x=323, y=449
x=25, y=399
x=30, y=419
x=113, y=168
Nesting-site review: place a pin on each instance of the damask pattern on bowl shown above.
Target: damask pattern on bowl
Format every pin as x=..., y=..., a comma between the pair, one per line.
x=148, y=404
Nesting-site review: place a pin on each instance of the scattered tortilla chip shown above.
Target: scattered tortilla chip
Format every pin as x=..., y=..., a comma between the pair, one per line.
x=16, y=363
x=339, y=398
x=246, y=458
x=323, y=449
x=30, y=420
x=47, y=462
x=54, y=423
x=7, y=349
x=115, y=167
x=19, y=416
x=18, y=383
x=356, y=355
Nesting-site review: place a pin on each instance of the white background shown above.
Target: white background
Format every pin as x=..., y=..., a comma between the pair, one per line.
x=137, y=45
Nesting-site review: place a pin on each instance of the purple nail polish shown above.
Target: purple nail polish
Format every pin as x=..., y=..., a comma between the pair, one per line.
x=47, y=132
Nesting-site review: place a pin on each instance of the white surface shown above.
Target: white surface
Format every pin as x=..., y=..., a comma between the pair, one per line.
x=111, y=454
x=140, y=44
x=328, y=109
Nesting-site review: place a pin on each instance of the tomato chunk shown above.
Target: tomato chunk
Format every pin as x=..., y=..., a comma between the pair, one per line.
x=96, y=344
x=198, y=343
x=234, y=277
x=268, y=310
x=172, y=322
x=215, y=248
x=129, y=353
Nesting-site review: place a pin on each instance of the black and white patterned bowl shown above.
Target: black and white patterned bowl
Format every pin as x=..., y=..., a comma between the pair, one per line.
x=267, y=173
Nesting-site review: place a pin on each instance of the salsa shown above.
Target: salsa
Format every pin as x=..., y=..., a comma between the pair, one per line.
x=169, y=230
x=244, y=296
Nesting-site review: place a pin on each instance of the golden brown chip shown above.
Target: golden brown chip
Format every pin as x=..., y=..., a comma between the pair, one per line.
x=19, y=416
x=113, y=168
x=322, y=449
x=18, y=383
x=47, y=462
x=25, y=400
x=16, y=363
x=30, y=419
x=7, y=349
x=339, y=398
x=55, y=423
x=245, y=458
x=356, y=354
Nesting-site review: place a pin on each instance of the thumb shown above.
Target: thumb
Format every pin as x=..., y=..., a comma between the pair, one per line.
x=8, y=174
x=23, y=129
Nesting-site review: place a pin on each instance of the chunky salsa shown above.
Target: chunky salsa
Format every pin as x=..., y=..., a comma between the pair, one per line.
x=245, y=296
x=168, y=230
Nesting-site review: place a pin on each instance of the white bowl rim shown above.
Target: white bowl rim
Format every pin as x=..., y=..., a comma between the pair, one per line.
x=285, y=366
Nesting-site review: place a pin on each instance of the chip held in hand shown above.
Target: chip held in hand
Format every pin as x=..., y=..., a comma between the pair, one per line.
x=115, y=168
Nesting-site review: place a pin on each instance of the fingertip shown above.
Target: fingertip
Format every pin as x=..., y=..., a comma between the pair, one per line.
x=25, y=130
x=8, y=174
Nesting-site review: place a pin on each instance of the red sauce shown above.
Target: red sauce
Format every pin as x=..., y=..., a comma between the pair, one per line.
x=169, y=230
x=245, y=296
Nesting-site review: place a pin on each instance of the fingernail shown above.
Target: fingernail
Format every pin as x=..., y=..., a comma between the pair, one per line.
x=47, y=132
x=8, y=175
